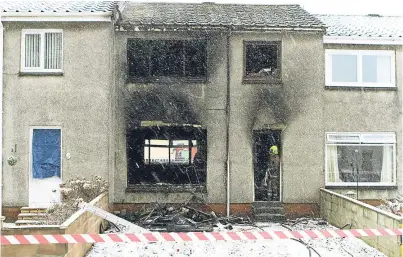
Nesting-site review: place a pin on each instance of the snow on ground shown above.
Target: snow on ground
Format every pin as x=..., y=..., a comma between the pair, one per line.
x=333, y=247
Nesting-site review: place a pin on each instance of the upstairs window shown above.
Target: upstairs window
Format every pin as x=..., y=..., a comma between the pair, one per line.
x=360, y=68
x=156, y=59
x=262, y=61
x=42, y=50
x=366, y=159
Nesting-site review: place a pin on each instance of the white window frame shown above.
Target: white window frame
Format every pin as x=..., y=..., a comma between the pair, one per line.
x=41, y=32
x=390, y=140
x=359, y=53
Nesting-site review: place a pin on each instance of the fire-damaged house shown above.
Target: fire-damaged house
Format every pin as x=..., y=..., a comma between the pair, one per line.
x=239, y=105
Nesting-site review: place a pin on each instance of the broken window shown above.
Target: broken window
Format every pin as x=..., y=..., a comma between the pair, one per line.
x=167, y=155
x=149, y=59
x=368, y=159
x=262, y=60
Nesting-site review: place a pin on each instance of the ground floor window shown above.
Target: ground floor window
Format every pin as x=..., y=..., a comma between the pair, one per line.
x=167, y=155
x=366, y=159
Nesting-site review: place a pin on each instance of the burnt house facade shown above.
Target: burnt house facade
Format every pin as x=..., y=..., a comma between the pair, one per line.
x=233, y=104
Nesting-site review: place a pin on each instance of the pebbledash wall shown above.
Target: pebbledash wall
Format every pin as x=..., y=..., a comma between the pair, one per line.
x=340, y=210
x=300, y=94
x=78, y=101
x=81, y=222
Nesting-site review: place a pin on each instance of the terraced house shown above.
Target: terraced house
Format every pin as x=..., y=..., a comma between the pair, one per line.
x=241, y=105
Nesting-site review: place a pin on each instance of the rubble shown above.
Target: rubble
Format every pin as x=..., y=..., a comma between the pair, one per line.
x=181, y=218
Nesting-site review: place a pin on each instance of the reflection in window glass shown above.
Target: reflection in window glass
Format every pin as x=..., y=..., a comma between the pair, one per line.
x=376, y=68
x=344, y=68
x=362, y=163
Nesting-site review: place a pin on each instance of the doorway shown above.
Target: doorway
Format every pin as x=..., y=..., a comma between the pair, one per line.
x=267, y=160
x=45, y=167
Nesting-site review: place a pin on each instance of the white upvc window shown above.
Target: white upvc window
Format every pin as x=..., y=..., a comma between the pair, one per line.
x=363, y=159
x=360, y=68
x=42, y=50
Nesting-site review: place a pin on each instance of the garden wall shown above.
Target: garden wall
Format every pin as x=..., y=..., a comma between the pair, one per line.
x=81, y=222
x=340, y=210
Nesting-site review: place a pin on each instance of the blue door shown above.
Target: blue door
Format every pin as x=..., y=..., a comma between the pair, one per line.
x=45, y=167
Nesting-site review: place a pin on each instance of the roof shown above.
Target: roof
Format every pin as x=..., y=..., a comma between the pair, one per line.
x=55, y=6
x=365, y=26
x=219, y=15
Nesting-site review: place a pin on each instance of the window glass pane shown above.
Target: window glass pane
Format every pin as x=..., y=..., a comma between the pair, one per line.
x=167, y=58
x=360, y=162
x=344, y=68
x=53, y=50
x=378, y=138
x=376, y=68
x=138, y=58
x=261, y=60
x=195, y=58
x=344, y=138
x=180, y=151
x=32, y=50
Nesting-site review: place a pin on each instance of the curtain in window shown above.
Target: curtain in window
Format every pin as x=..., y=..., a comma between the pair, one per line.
x=387, y=164
x=332, y=164
x=32, y=50
x=53, y=50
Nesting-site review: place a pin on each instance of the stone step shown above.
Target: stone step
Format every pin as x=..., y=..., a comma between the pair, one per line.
x=269, y=217
x=267, y=204
x=33, y=210
x=273, y=210
x=27, y=222
x=31, y=216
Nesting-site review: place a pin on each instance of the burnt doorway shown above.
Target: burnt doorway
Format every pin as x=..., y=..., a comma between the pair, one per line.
x=266, y=155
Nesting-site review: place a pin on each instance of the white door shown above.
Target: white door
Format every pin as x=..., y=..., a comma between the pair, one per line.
x=45, y=167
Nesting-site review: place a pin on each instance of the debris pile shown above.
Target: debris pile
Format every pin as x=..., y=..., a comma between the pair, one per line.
x=394, y=206
x=181, y=218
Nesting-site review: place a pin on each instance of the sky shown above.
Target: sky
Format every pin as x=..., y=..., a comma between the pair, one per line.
x=382, y=7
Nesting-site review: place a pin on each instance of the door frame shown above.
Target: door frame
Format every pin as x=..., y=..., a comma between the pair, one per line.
x=281, y=160
x=30, y=173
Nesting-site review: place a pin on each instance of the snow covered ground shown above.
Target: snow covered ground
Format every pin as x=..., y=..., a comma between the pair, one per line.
x=335, y=247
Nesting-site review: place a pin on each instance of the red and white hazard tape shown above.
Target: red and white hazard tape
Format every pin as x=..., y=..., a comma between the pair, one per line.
x=194, y=236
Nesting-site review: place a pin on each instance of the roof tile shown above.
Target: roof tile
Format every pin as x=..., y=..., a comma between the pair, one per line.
x=363, y=25
x=210, y=14
x=56, y=6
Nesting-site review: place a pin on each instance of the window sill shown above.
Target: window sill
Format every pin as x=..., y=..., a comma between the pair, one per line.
x=166, y=188
x=373, y=187
x=41, y=73
x=261, y=80
x=360, y=88
x=167, y=80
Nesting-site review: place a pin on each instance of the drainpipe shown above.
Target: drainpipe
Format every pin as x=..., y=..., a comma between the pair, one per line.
x=1, y=121
x=228, y=113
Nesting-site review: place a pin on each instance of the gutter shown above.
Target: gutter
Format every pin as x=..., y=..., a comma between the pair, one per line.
x=228, y=113
x=362, y=40
x=52, y=16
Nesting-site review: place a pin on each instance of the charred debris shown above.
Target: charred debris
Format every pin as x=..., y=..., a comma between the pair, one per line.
x=185, y=217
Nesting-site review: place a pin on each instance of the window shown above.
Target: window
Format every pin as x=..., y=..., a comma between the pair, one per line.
x=42, y=50
x=368, y=159
x=360, y=68
x=174, y=155
x=166, y=58
x=262, y=60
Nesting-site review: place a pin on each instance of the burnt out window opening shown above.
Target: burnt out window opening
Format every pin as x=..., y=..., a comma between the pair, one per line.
x=167, y=155
x=148, y=59
x=262, y=60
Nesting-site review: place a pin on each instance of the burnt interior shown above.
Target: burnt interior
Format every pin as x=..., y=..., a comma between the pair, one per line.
x=167, y=155
x=262, y=59
x=166, y=58
x=263, y=141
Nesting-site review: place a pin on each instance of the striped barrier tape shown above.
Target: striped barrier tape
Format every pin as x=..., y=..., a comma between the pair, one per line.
x=194, y=236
